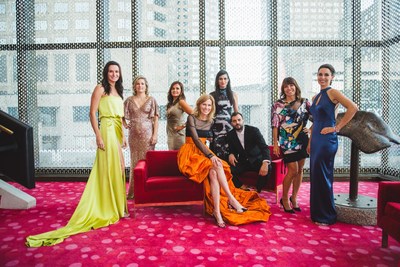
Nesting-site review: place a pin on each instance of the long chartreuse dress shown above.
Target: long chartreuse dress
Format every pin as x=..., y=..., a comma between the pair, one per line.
x=194, y=164
x=103, y=201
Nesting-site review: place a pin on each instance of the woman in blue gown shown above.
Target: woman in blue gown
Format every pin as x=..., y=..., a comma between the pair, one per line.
x=323, y=145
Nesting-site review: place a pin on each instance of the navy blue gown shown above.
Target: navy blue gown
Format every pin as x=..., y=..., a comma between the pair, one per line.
x=322, y=156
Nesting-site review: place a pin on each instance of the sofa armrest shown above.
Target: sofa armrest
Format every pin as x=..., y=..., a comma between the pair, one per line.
x=140, y=177
x=387, y=192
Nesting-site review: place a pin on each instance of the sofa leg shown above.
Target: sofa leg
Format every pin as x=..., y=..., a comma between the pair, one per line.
x=384, y=239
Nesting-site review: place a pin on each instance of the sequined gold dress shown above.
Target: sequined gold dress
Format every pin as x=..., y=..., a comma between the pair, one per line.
x=140, y=130
x=103, y=201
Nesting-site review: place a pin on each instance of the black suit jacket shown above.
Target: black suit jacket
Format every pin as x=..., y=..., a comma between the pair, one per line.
x=256, y=148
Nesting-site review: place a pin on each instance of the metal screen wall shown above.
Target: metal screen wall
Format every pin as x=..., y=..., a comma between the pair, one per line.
x=52, y=55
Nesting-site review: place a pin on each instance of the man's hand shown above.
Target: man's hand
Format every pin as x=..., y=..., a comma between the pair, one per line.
x=264, y=168
x=232, y=159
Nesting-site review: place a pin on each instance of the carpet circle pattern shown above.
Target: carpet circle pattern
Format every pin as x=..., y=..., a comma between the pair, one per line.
x=184, y=236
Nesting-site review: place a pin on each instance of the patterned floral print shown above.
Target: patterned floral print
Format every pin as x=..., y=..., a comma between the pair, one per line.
x=290, y=122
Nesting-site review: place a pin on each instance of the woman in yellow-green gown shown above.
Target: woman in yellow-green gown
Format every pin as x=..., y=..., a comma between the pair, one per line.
x=103, y=201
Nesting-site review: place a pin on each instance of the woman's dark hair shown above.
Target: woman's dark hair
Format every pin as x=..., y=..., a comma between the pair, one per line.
x=118, y=84
x=171, y=101
x=228, y=89
x=329, y=67
x=287, y=81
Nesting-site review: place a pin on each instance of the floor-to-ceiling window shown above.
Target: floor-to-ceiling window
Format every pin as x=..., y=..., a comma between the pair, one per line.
x=52, y=55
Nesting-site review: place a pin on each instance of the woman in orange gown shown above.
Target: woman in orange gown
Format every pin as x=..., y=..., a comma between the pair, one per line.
x=197, y=162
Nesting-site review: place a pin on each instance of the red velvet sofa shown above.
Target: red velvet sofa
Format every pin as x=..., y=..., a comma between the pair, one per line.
x=158, y=180
x=388, y=216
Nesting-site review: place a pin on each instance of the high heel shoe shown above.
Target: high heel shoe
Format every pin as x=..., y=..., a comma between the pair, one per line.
x=240, y=210
x=288, y=211
x=295, y=208
x=219, y=224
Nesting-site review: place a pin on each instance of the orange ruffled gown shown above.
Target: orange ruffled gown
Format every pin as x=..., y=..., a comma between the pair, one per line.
x=195, y=165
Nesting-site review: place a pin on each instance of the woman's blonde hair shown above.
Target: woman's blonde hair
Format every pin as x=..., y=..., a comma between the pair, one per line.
x=140, y=77
x=203, y=98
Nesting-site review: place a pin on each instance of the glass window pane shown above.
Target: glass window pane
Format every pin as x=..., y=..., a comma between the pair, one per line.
x=249, y=73
x=7, y=22
x=390, y=17
x=180, y=21
x=212, y=20
x=371, y=97
x=82, y=71
x=314, y=20
x=81, y=113
x=8, y=85
x=392, y=96
x=42, y=68
x=212, y=67
x=3, y=69
x=117, y=20
x=61, y=125
x=61, y=68
x=370, y=20
x=247, y=20
x=65, y=22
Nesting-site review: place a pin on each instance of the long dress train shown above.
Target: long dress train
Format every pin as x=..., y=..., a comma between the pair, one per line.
x=322, y=156
x=193, y=163
x=103, y=201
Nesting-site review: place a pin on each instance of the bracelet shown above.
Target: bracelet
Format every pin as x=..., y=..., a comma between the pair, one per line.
x=210, y=156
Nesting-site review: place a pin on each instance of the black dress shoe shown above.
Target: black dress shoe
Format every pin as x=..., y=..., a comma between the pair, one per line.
x=295, y=208
x=259, y=188
x=288, y=211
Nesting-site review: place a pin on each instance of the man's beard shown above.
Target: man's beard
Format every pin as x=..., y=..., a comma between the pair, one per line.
x=239, y=127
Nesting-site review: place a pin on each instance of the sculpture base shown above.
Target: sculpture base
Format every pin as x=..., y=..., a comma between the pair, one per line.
x=361, y=211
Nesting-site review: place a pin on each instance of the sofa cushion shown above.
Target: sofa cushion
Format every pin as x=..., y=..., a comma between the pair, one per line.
x=392, y=209
x=168, y=182
x=162, y=163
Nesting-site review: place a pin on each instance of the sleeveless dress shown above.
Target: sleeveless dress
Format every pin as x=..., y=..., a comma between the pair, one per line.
x=322, y=155
x=175, y=117
x=103, y=201
x=194, y=164
x=222, y=123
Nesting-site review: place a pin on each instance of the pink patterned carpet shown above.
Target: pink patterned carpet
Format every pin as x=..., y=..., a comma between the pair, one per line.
x=182, y=236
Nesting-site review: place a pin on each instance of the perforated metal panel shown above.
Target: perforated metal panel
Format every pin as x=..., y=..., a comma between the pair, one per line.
x=52, y=55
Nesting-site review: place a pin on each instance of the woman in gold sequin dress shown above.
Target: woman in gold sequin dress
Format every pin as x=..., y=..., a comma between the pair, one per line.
x=141, y=118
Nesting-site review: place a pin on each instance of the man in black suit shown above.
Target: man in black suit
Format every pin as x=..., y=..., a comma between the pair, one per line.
x=247, y=152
